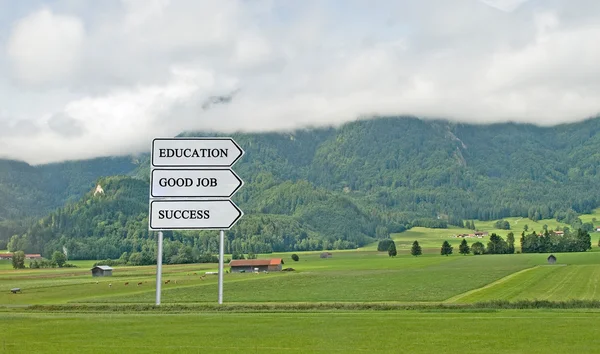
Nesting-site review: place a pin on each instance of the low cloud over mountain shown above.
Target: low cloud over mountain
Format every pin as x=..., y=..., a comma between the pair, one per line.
x=96, y=78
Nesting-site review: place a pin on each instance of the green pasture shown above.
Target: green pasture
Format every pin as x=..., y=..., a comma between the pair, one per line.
x=506, y=331
x=347, y=277
x=548, y=282
x=363, y=275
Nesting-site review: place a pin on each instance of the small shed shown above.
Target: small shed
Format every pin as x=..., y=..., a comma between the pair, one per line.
x=102, y=271
x=551, y=259
x=251, y=265
x=326, y=255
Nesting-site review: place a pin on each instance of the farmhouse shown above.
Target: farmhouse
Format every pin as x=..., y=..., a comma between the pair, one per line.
x=101, y=271
x=249, y=265
x=559, y=233
x=6, y=255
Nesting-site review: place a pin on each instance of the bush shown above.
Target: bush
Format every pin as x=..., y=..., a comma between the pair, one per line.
x=110, y=262
x=502, y=225
x=295, y=257
x=384, y=245
x=478, y=248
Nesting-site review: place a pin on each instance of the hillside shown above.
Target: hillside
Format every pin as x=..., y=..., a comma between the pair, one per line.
x=104, y=225
x=345, y=187
x=30, y=191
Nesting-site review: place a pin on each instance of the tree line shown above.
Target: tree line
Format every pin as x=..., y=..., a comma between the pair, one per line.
x=549, y=241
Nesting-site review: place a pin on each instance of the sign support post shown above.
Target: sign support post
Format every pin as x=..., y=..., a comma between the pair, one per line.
x=159, y=267
x=221, y=263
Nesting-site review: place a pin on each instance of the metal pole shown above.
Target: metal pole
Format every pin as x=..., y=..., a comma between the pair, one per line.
x=221, y=262
x=159, y=267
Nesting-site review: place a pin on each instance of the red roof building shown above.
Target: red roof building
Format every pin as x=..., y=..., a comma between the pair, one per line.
x=255, y=265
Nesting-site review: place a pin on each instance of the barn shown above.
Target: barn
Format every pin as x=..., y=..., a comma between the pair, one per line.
x=101, y=271
x=250, y=265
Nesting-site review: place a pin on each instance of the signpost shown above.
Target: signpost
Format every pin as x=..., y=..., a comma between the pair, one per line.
x=191, y=183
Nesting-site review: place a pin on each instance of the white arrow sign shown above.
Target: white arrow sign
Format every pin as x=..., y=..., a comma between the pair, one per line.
x=195, y=152
x=193, y=215
x=210, y=183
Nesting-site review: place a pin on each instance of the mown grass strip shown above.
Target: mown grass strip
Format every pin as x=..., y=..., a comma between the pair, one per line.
x=309, y=307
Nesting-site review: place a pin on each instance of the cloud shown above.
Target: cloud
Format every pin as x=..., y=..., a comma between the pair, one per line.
x=65, y=126
x=106, y=78
x=44, y=47
x=504, y=5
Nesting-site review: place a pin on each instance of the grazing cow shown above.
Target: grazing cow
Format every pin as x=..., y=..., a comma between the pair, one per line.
x=167, y=282
x=140, y=283
x=127, y=283
x=109, y=285
x=15, y=290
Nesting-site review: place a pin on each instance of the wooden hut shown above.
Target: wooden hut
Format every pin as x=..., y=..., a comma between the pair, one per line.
x=102, y=271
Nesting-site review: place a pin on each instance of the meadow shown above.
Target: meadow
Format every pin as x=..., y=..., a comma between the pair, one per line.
x=347, y=277
x=506, y=331
x=463, y=283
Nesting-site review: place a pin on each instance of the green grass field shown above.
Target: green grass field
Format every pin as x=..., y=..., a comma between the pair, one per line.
x=338, y=332
x=351, y=276
x=347, y=277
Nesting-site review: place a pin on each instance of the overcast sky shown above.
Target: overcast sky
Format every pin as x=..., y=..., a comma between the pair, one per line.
x=81, y=79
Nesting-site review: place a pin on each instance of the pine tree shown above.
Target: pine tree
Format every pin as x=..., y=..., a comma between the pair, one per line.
x=416, y=249
x=468, y=225
x=464, y=247
x=510, y=239
x=446, y=249
x=392, y=250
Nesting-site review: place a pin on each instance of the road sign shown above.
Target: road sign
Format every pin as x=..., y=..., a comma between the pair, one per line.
x=193, y=214
x=195, y=152
x=178, y=180
x=196, y=183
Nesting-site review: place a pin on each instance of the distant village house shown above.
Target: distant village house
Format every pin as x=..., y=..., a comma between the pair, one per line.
x=27, y=256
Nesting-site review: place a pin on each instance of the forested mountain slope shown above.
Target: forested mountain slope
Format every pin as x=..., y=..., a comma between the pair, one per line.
x=340, y=187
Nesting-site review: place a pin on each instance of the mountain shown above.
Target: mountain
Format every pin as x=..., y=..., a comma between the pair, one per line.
x=331, y=187
x=32, y=191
